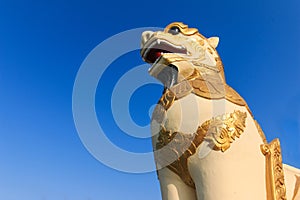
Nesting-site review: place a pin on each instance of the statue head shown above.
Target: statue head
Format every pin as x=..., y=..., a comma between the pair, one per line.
x=178, y=52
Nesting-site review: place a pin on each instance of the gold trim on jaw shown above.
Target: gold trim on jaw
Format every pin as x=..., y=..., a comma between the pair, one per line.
x=275, y=185
x=220, y=132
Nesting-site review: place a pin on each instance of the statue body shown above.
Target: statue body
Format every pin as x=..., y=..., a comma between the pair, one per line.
x=206, y=142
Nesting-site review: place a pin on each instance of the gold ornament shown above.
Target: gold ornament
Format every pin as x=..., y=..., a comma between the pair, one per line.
x=220, y=132
x=274, y=171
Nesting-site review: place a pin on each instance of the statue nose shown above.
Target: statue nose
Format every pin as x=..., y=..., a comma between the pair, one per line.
x=145, y=37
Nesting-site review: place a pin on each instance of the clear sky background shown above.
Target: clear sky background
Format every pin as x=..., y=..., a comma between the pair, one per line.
x=43, y=43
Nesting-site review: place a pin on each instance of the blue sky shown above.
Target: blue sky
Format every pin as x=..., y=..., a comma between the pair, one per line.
x=42, y=46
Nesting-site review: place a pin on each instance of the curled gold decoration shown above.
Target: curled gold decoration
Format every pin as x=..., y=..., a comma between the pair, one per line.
x=164, y=103
x=167, y=99
x=176, y=147
x=276, y=189
x=224, y=129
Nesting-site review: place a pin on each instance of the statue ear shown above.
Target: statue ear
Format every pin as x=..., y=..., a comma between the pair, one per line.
x=213, y=41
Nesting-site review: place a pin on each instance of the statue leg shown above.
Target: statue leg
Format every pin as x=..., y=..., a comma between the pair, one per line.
x=173, y=188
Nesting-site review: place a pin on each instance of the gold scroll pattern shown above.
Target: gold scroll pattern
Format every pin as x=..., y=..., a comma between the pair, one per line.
x=176, y=147
x=224, y=129
x=276, y=189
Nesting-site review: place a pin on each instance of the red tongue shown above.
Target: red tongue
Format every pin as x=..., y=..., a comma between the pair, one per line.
x=157, y=54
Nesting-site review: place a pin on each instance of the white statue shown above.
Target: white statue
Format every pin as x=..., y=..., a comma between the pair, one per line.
x=206, y=142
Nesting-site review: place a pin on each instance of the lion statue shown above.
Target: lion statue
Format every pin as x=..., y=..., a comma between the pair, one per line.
x=207, y=144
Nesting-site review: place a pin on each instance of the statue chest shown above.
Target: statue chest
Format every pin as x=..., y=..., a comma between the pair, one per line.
x=187, y=113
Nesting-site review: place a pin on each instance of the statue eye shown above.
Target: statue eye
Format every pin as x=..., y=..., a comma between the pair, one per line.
x=174, y=30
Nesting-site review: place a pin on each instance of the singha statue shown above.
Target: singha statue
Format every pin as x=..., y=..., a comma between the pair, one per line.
x=207, y=144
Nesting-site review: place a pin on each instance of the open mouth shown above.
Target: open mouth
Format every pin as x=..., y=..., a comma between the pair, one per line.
x=158, y=47
x=151, y=54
